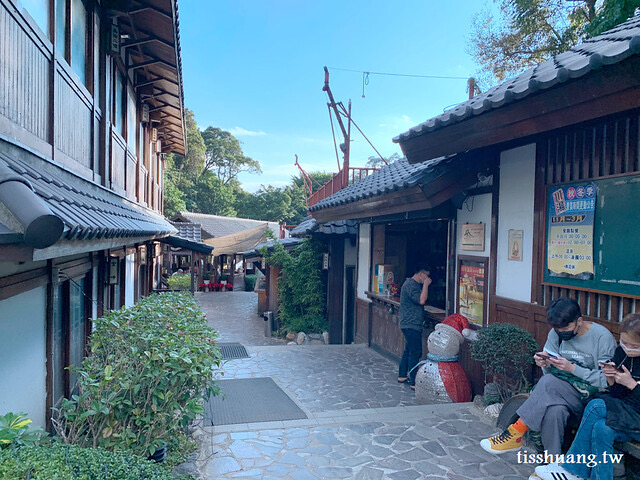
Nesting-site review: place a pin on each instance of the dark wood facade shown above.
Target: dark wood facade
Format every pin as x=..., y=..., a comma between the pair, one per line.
x=71, y=101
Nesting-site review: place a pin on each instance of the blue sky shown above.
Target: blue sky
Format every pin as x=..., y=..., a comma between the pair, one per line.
x=255, y=68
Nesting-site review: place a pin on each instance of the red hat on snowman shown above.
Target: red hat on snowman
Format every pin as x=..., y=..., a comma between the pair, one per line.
x=456, y=324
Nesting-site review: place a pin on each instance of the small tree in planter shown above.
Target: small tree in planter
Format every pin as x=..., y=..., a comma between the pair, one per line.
x=505, y=351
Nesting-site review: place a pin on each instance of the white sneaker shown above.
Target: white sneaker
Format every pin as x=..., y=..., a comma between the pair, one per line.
x=553, y=471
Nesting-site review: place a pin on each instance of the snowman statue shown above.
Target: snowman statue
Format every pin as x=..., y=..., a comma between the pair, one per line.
x=441, y=378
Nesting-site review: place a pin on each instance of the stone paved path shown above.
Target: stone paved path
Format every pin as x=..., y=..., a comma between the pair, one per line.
x=362, y=424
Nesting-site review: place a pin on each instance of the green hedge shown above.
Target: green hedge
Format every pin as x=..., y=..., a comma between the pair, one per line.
x=180, y=282
x=69, y=462
x=145, y=377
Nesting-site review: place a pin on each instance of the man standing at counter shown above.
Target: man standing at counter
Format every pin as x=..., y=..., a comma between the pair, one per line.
x=413, y=297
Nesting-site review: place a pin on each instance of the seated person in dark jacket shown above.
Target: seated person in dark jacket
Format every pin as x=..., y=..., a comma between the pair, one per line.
x=613, y=416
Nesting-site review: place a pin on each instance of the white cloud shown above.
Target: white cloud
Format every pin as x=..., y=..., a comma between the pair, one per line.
x=242, y=132
x=401, y=122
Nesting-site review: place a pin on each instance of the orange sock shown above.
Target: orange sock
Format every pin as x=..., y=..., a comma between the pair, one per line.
x=520, y=426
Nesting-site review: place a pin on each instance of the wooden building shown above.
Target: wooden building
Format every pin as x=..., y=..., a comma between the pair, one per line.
x=548, y=181
x=90, y=100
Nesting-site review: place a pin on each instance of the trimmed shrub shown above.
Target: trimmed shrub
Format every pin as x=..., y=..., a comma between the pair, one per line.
x=144, y=378
x=506, y=352
x=250, y=282
x=69, y=462
x=180, y=282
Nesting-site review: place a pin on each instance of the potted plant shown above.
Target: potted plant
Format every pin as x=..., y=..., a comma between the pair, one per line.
x=506, y=353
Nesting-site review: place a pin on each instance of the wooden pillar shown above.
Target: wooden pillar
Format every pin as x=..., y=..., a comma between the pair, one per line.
x=192, y=269
x=335, y=288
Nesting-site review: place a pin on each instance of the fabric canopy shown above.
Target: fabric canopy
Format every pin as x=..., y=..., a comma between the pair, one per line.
x=238, y=242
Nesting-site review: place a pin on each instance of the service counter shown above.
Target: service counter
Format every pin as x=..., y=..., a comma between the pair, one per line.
x=385, y=315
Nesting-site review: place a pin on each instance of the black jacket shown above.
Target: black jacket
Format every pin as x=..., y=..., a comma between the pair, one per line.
x=623, y=405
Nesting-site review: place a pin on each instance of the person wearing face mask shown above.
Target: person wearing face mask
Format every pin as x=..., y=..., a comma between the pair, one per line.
x=613, y=416
x=570, y=363
x=413, y=296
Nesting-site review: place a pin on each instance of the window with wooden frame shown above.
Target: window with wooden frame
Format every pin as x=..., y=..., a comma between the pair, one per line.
x=70, y=330
x=38, y=10
x=73, y=23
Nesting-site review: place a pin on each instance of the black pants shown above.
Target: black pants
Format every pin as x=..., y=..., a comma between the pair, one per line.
x=411, y=354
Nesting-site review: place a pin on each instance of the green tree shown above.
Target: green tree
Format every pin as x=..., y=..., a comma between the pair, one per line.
x=224, y=156
x=528, y=32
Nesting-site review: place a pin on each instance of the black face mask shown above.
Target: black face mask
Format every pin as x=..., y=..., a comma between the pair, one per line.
x=566, y=336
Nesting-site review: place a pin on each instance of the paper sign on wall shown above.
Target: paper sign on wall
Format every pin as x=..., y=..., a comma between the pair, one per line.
x=515, y=245
x=473, y=237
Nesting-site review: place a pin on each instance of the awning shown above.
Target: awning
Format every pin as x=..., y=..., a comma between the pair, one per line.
x=176, y=241
x=402, y=187
x=240, y=241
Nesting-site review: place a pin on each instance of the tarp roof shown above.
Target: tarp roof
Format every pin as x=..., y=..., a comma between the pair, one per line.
x=239, y=241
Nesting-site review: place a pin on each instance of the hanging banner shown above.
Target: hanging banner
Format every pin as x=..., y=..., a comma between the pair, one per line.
x=570, y=217
x=516, y=237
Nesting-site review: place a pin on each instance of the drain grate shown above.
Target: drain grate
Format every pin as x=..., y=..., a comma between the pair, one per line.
x=232, y=351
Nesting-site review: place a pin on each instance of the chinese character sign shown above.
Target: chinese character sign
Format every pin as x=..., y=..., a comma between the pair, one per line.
x=570, y=216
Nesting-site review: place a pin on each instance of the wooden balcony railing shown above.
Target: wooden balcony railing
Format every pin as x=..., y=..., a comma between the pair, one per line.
x=340, y=181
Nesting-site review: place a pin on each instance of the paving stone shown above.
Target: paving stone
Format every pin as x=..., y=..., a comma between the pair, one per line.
x=298, y=442
x=429, y=468
x=393, y=463
x=434, y=447
x=255, y=472
x=499, y=468
x=471, y=470
x=356, y=461
x=221, y=465
x=380, y=452
x=293, y=459
x=465, y=456
x=384, y=439
x=279, y=469
x=411, y=436
x=319, y=461
x=368, y=473
x=241, y=449
x=448, y=429
x=335, y=472
x=414, y=454
x=303, y=475
x=405, y=475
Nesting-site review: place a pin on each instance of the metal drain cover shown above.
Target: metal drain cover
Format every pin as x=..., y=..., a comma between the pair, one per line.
x=232, y=351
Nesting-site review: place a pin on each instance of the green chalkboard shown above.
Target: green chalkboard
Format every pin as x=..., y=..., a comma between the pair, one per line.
x=616, y=238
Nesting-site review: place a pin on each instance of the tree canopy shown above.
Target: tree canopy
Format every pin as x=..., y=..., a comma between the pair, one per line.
x=528, y=32
x=206, y=181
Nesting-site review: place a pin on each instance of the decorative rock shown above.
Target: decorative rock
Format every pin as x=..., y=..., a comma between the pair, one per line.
x=315, y=339
x=325, y=335
x=493, y=410
x=186, y=468
x=292, y=343
x=301, y=338
x=291, y=336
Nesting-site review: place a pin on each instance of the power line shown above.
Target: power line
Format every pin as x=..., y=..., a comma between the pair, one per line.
x=441, y=77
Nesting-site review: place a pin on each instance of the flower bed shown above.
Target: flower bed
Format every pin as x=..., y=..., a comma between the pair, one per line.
x=215, y=287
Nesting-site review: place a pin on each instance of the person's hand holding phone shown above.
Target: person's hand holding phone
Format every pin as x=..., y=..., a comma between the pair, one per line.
x=562, y=363
x=542, y=359
x=623, y=377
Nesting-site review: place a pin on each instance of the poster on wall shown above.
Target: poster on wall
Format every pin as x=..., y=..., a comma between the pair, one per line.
x=515, y=245
x=570, y=218
x=472, y=283
x=473, y=237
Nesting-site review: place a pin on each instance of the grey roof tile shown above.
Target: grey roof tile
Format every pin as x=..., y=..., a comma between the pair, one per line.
x=339, y=227
x=396, y=176
x=609, y=48
x=87, y=210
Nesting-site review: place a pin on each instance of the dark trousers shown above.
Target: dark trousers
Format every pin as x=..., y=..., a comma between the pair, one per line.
x=411, y=354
